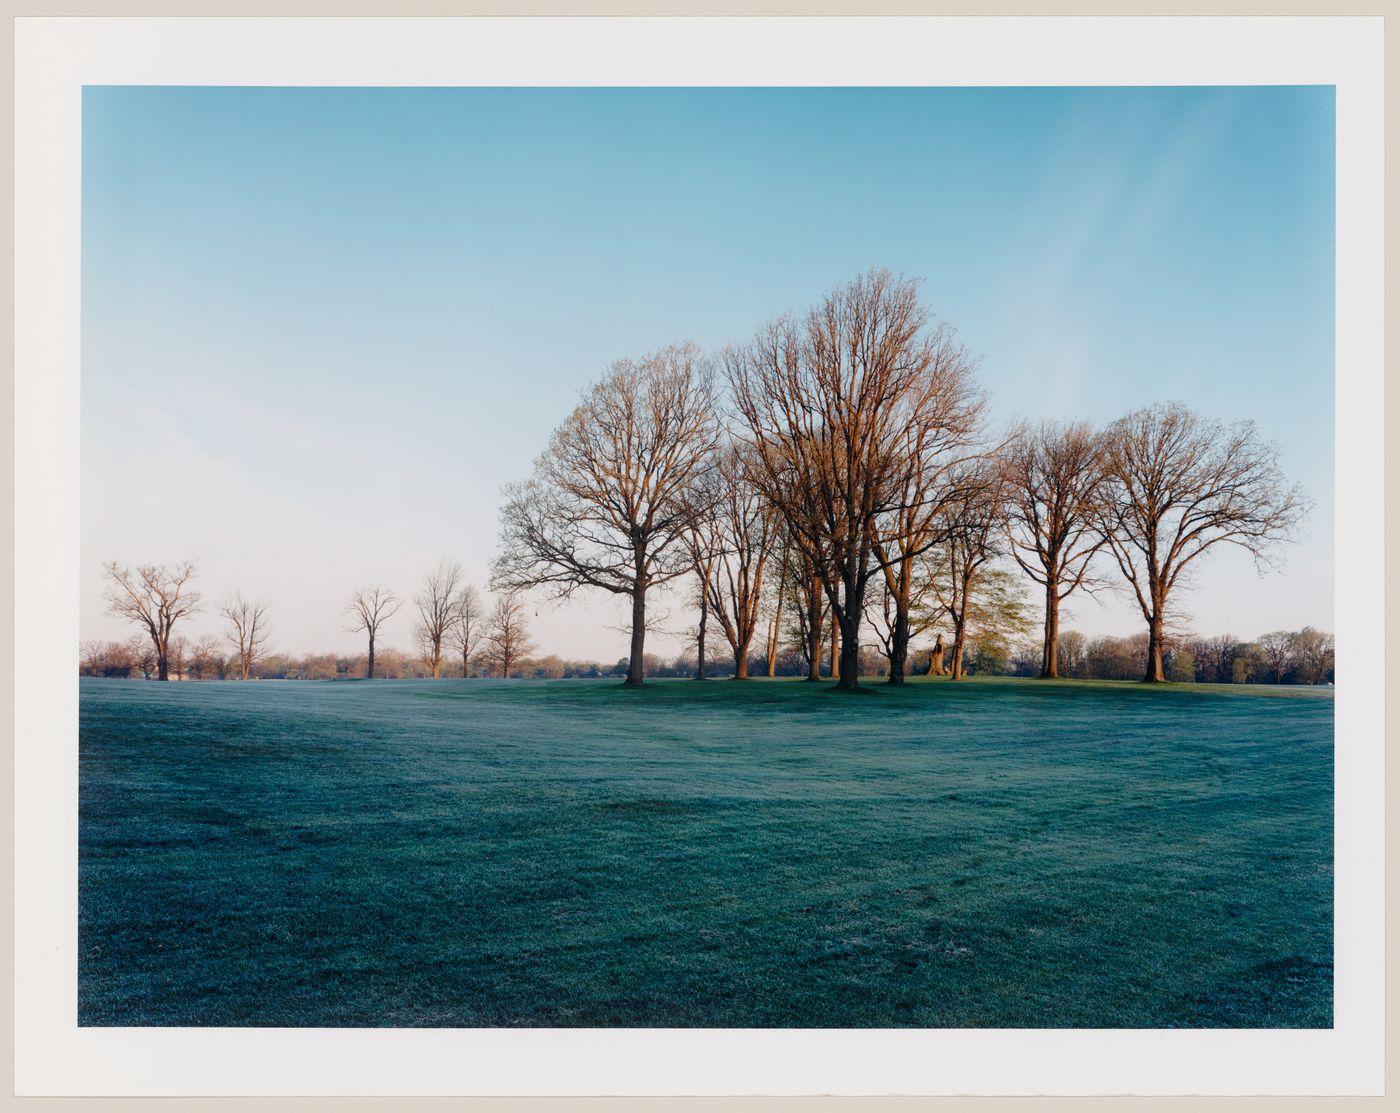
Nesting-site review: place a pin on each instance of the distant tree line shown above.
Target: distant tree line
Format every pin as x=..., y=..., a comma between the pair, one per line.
x=833, y=500
x=1300, y=657
x=452, y=630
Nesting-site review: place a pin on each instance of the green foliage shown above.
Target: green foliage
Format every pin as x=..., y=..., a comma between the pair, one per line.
x=1181, y=667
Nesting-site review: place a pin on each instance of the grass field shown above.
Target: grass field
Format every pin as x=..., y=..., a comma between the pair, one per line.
x=482, y=853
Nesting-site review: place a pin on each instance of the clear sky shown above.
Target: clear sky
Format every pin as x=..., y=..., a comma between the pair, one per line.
x=321, y=327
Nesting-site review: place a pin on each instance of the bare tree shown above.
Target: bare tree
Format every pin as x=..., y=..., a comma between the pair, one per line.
x=1055, y=478
x=973, y=528
x=117, y=659
x=467, y=615
x=704, y=575
x=702, y=544
x=778, y=593
x=436, y=604
x=208, y=661
x=832, y=405
x=803, y=587
x=744, y=525
x=247, y=630
x=937, y=445
x=142, y=655
x=507, y=639
x=1177, y=484
x=608, y=505
x=1214, y=658
x=1071, y=652
x=911, y=610
x=179, y=650
x=1278, y=653
x=370, y=608
x=154, y=596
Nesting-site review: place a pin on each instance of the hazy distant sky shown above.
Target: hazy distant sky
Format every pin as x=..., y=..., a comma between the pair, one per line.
x=321, y=327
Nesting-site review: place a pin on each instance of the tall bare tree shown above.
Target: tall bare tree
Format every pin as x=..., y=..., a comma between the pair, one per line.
x=436, y=603
x=154, y=596
x=507, y=637
x=745, y=524
x=1178, y=484
x=1055, y=479
x=467, y=615
x=936, y=446
x=370, y=608
x=831, y=404
x=247, y=619
x=608, y=505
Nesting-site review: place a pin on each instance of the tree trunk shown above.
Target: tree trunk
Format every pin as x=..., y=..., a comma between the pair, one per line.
x=935, y=661
x=899, y=642
x=636, y=669
x=956, y=668
x=1154, y=675
x=741, y=664
x=1049, y=666
x=836, y=654
x=700, y=642
x=465, y=663
x=370, y=671
x=849, y=678
x=848, y=634
x=774, y=633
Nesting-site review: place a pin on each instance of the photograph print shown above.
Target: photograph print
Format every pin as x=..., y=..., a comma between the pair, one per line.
x=710, y=557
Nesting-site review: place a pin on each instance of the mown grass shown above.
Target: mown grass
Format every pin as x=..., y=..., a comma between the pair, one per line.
x=469, y=853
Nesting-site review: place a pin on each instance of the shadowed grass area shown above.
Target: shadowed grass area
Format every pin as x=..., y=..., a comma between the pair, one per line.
x=475, y=853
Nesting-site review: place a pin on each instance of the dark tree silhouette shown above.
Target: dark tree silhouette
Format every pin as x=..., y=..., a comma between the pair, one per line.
x=370, y=608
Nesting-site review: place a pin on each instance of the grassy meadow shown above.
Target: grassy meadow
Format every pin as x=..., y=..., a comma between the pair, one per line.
x=991, y=853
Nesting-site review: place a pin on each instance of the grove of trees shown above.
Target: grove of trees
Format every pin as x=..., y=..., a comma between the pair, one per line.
x=837, y=499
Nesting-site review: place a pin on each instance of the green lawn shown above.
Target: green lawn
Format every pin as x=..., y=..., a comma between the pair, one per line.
x=997, y=853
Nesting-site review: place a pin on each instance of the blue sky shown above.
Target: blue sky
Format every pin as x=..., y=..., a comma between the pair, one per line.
x=321, y=327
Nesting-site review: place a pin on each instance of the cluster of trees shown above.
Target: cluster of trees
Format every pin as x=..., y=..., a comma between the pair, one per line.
x=452, y=624
x=837, y=475
x=829, y=494
x=1306, y=656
